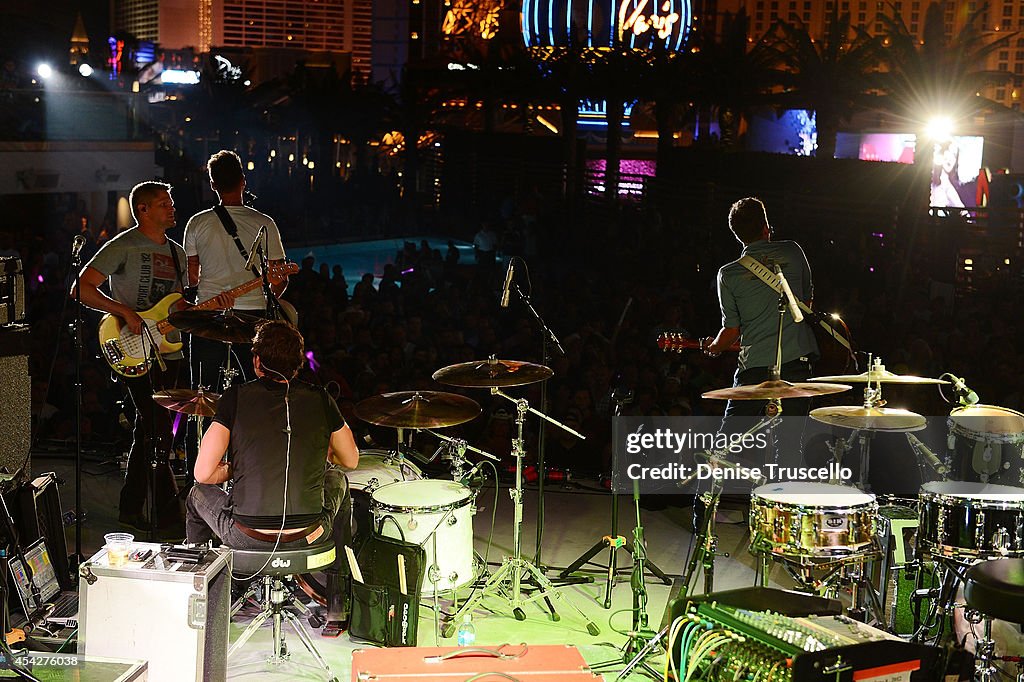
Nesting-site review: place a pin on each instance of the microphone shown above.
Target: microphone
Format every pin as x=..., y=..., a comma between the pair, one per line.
x=967, y=396
x=794, y=309
x=252, y=250
x=507, y=289
x=76, y=246
x=930, y=457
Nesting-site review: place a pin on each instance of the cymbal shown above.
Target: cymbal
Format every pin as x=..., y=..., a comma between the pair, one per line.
x=492, y=372
x=229, y=326
x=770, y=390
x=870, y=418
x=417, y=409
x=202, y=403
x=876, y=375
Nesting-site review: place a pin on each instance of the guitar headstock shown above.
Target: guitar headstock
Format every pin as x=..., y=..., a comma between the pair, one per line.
x=676, y=342
x=278, y=272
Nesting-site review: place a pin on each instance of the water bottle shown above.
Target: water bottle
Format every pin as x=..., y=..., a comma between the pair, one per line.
x=467, y=633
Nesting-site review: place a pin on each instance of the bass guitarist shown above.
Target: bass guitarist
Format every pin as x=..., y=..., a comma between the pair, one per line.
x=142, y=266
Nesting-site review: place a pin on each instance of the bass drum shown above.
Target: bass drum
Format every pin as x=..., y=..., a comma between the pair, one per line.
x=376, y=468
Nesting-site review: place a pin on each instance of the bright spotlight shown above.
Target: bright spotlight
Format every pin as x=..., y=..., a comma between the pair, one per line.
x=85, y=70
x=939, y=128
x=44, y=70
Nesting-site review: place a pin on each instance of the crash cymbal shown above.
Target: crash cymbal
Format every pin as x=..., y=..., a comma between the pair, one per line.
x=870, y=418
x=879, y=374
x=770, y=390
x=492, y=372
x=417, y=409
x=229, y=326
x=202, y=403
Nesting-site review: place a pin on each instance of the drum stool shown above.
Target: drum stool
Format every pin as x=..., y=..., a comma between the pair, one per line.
x=995, y=588
x=274, y=570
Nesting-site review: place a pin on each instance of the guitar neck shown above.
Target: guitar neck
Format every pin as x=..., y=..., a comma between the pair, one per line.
x=211, y=304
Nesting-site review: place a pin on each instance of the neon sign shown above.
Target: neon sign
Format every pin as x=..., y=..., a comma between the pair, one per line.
x=634, y=20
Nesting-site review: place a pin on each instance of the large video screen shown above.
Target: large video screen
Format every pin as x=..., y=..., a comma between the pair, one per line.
x=956, y=162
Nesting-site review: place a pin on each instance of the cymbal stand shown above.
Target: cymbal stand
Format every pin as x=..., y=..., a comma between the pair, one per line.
x=507, y=581
x=457, y=448
x=227, y=372
x=403, y=465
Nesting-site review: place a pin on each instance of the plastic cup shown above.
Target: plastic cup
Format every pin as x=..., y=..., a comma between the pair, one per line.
x=119, y=546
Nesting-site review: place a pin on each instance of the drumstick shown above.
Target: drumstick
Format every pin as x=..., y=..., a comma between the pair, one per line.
x=353, y=566
x=403, y=587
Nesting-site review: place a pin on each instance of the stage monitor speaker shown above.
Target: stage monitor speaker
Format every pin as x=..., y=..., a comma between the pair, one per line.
x=39, y=515
x=15, y=397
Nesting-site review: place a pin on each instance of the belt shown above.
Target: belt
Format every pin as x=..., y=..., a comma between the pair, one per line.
x=309, y=534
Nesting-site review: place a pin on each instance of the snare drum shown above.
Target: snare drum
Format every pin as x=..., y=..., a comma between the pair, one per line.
x=812, y=521
x=970, y=520
x=431, y=513
x=376, y=468
x=987, y=440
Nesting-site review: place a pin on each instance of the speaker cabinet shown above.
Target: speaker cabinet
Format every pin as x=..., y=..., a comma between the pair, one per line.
x=15, y=397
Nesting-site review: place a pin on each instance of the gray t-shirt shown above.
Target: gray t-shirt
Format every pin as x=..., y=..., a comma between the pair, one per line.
x=140, y=271
x=753, y=306
x=221, y=265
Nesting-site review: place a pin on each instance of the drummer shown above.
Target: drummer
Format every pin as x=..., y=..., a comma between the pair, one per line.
x=217, y=243
x=279, y=430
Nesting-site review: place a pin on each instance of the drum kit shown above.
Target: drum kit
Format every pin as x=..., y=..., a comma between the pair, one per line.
x=810, y=527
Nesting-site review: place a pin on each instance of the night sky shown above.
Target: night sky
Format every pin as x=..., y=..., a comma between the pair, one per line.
x=31, y=31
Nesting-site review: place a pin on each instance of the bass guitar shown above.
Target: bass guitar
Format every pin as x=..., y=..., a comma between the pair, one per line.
x=128, y=353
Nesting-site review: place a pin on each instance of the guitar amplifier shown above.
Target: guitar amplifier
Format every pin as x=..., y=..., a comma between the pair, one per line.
x=12, y=291
x=538, y=663
x=171, y=614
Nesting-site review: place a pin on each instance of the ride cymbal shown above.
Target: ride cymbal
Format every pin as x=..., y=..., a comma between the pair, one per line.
x=870, y=418
x=229, y=326
x=417, y=409
x=202, y=403
x=772, y=390
x=492, y=373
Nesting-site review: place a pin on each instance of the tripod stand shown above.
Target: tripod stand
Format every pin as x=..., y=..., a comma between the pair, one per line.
x=508, y=580
x=613, y=541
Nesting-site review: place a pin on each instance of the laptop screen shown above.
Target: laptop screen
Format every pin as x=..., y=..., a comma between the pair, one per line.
x=43, y=575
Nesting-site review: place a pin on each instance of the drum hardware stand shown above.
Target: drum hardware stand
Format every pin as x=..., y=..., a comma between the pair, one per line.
x=613, y=541
x=507, y=581
x=943, y=601
x=227, y=372
x=865, y=603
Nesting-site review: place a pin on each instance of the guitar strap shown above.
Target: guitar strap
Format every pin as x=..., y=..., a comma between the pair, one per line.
x=763, y=273
x=230, y=228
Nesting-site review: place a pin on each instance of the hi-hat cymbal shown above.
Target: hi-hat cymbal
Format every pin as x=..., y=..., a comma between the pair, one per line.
x=229, y=326
x=417, y=409
x=492, y=372
x=771, y=390
x=202, y=403
x=880, y=375
x=870, y=418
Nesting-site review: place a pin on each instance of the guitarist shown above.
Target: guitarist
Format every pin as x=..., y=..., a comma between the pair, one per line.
x=142, y=266
x=217, y=243
x=750, y=311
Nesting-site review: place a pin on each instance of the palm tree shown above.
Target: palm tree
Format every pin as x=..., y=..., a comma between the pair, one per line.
x=836, y=76
x=939, y=76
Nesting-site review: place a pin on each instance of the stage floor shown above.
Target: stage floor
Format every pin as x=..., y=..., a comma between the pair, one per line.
x=575, y=519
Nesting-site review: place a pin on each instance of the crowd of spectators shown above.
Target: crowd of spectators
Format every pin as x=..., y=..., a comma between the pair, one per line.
x=607, y=297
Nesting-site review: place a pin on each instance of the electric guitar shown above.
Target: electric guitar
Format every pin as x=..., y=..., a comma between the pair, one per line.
x=127, y=353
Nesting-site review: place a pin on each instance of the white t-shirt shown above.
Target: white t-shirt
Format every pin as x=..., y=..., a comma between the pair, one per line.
x=220, y=263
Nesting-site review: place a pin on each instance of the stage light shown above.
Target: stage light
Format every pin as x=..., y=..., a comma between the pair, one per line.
x=85, y=70
x=939, y=128
x=44, y=70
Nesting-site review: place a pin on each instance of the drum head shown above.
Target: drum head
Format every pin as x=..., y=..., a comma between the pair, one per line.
x=813, y=494
x=380, y=467
x=420, y=494
x=1000, y=423
x=975, y=491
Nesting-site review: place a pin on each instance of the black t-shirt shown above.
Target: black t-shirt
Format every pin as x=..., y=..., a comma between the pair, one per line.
x=257, y=417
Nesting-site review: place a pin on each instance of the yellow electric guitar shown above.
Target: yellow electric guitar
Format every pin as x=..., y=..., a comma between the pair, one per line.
x=127, y=353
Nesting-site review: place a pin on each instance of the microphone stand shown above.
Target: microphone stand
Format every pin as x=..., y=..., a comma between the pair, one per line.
x=273, y=305
x=549, y=341
x=76, y=264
